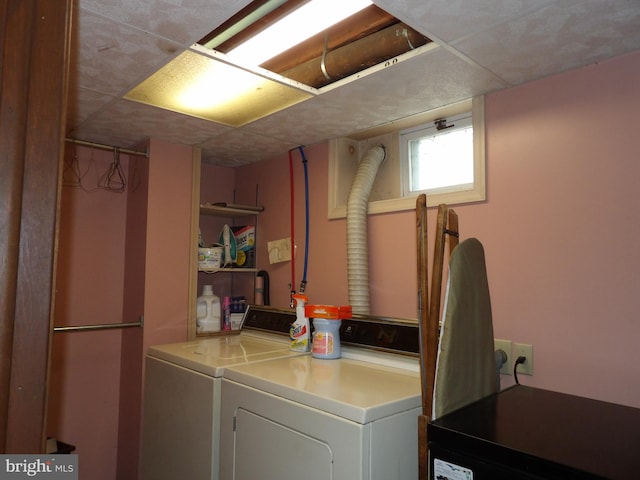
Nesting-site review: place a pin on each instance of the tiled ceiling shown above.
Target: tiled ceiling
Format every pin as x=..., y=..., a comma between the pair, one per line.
x=494, y=45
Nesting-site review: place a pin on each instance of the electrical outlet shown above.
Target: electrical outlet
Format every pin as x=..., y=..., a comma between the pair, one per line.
x=523, y=350
x=505, y=346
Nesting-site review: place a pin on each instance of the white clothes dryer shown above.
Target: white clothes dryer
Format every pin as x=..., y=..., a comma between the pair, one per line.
x=302, y=417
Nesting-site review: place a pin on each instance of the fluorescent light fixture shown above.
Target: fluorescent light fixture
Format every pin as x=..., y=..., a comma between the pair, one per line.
x=311, y=18
x=266, y=8
x=231, y=89
x=205, y=84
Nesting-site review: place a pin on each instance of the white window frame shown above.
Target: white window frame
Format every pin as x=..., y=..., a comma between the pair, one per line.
x=449, y=194
x=342, y=167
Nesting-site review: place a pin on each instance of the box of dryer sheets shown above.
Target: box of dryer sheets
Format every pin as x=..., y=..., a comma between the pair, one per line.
x=245, y=245
x=237, y=307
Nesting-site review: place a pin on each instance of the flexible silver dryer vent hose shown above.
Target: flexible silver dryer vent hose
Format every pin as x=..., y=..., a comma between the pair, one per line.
x=357, y=242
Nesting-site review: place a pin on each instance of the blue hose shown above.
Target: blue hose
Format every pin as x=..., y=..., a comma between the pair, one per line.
x=303, y=284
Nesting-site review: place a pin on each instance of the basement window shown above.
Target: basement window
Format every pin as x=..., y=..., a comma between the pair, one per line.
x=439, y=153
x=437, y=158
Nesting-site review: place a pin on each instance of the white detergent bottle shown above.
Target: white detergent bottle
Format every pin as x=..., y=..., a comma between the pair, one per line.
x=300, y=331
x=207, y=311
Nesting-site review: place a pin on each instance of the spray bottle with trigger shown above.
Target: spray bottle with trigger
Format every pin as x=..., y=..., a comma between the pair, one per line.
x=300, y=331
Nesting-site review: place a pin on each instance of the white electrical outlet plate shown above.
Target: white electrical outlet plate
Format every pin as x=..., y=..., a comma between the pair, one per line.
x=524, y=350
x=504, y=345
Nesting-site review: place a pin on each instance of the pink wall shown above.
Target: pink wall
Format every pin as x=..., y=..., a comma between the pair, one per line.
x=168, y=241
x=85, y=371
x=121, y=255
x=166, y=237
x=133, y=293
x=562, y=226
x=560, y=229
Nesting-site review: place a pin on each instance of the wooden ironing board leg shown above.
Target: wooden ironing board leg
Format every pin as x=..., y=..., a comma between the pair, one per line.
x=429, y=312
x=423, y=448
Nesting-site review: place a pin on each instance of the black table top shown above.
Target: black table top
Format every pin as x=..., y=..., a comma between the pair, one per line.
x=599, y=438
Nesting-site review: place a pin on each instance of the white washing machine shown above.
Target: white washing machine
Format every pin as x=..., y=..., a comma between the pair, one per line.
x=350, y=418
x=183, y=381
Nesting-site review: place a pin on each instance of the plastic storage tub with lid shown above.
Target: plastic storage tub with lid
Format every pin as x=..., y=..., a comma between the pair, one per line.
x=327, y=320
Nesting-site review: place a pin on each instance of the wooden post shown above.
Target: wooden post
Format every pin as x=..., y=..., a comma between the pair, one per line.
x=34, y=52
x=423, y=319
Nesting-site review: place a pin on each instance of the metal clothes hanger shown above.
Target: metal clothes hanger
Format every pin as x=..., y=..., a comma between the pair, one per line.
x=114, y=179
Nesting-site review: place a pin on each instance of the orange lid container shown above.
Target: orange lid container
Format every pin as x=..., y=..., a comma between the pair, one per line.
x=331, y=312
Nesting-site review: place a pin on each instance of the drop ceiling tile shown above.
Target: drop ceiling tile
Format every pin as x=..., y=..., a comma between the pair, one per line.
x=109, y=57
x=82, y=103
x=240, y=147
x=450, y=20
x=124, y=119
x=557, y=38
x=184, y=21
x=421, y=83
x=308, y=122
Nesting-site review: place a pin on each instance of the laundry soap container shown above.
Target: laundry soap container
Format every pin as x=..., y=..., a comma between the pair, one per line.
x=327, y=320
x=300, y=331
x=208, y=311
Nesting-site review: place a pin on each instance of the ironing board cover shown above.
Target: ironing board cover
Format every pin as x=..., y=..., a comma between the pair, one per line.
x=465, y=366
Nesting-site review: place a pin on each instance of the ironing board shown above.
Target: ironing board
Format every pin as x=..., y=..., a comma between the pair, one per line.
x=466, y=363
x=470, y=259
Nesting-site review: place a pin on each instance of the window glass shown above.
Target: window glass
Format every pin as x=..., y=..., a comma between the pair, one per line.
x=438, y=160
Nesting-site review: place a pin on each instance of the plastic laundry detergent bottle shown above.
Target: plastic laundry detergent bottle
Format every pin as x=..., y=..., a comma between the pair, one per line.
x=208, y=311
x=300, y=331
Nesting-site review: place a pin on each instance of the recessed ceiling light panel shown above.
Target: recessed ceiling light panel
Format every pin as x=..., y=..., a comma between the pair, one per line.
x=205, y=84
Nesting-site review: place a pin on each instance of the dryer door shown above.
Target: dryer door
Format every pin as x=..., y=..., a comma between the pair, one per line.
x=266, y=449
